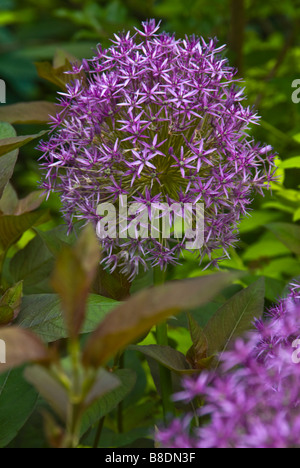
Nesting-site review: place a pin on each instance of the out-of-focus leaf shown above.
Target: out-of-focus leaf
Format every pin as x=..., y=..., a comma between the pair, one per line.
x=8, y=145
x=7, y=162
x=296, y=215
x=57, y=238
x=257, y=220
x=292, y=163
x=106, y=382
x=17, y=402
x=42, y=314
x=21, y=346
x=235, y=317
x=6, y=315
x=36, y=112
x=266, y=247
x=13, y=298
x=73, y=275
x=56, y=72
x=288, y=234
x=108, y=402
x=30, y=203
x=9, y=200
x=33, y=265
x=12, y=227
x=140, y=313
x=50, y=389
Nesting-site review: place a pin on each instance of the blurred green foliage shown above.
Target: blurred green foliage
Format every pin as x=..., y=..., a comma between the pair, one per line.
x=262, y=37
x=264, y=41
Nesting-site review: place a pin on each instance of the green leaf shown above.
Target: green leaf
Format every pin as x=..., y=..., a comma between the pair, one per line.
x=288, y=234
x=12, y=227
x=36, y=112
x=110, y=401
x=267, y=247
x=9, y=200
x=73, y=276
x=6, y=315
x=140, y=313
x=56, y=239
x=33, y=265
x=235, y=317
x=42, y=314
x=296, y=215
x=292, y=163
x=198, y=350
x=17, y=402
x=257, y=220
x=10, y=144
x=7, y=162
x=114, y=285
x=167, y=356
x=12, y=298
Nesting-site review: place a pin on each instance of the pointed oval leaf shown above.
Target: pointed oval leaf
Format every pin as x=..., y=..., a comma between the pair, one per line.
x=21, y=347
x=42, y=314
x=36, y=112
x=144, y=310
x=17, y=402
x=235, y=317
x=7, y=162
x=73, y=276
x=288, y=234
x=10, y=144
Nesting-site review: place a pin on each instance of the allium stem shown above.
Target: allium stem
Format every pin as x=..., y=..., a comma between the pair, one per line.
x=162, y=340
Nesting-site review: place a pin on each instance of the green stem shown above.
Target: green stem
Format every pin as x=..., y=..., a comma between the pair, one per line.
x=162, y=340
x=75, y=409
x=120, y=406
x=99, y=433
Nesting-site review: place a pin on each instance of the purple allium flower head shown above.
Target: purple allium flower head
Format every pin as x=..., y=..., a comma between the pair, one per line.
x=156, y=118
x=253, y=401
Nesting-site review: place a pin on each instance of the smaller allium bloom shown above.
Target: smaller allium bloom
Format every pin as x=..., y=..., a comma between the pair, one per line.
x=253, y=401
x=156, y=118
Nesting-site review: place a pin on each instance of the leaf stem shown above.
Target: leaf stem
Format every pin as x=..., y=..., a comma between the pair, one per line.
x=165, y=375
x=120, y=406
x=99, y=432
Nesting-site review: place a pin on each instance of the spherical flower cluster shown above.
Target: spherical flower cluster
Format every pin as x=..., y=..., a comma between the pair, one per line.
x=254, y=400
x=159, y=120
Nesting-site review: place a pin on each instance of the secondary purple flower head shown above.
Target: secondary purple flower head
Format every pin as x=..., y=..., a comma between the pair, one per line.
x=254, y=400
x=159, y=120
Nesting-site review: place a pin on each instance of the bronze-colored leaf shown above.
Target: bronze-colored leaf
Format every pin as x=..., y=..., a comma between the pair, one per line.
x=8, y=145
x=198, y=350
x=56, y=72
x=36, y=112
x=30, y=203
x=73, y=276
x=21, y=347
x=144, y=310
